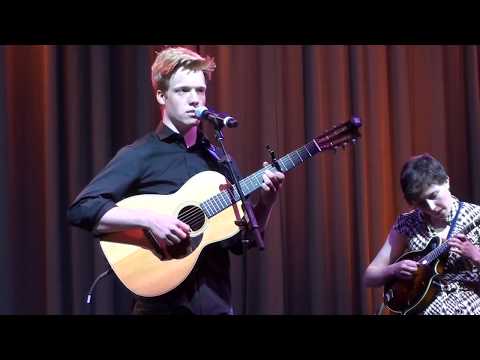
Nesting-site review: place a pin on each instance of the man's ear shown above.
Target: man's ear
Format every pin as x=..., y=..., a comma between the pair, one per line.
x=161, y=97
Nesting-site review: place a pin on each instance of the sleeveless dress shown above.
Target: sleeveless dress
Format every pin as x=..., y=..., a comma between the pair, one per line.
x=460, y=283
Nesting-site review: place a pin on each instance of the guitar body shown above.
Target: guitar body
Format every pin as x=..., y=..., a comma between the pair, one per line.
x=135, y=257
x=413, y=295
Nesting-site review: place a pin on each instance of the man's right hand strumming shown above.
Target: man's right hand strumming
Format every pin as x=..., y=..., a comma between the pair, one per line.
x=167, y=229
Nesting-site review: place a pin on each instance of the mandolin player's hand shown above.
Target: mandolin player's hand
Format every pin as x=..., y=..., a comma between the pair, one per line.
x=462, y=246
x=404, y=269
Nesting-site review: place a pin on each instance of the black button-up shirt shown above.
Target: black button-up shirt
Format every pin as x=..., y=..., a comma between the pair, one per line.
x=160, y=163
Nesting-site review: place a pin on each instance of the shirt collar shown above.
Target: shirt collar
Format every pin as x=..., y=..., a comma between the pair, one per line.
x=168, y=135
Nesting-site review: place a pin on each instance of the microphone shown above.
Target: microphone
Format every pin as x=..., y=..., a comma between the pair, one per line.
x=218, y=120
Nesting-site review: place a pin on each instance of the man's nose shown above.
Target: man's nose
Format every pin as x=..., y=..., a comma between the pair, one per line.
x=193, y=98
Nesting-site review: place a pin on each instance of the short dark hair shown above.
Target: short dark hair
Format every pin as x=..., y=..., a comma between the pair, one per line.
x=420, y=172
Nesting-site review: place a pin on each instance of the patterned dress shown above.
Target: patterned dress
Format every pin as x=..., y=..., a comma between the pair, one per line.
x=460, y=282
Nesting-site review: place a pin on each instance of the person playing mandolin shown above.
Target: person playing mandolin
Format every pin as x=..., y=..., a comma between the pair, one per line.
x=421, y=276
x=160, y=163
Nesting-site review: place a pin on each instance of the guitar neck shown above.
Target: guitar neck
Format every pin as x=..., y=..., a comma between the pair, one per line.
x=286, y=163
x=338, y=136
x=443, y=248
x=253, y=182
x=434, y=254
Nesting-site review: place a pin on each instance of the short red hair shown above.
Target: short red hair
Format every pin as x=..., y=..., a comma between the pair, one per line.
x=171, y=59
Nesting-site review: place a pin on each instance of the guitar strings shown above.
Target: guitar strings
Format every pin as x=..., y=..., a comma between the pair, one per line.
x=192, y=214
x=196, y=215
x=442, y=247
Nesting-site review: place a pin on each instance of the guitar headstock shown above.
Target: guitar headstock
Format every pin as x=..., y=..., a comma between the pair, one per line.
x=340, y=135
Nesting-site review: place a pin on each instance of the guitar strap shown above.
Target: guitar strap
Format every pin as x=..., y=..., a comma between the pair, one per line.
x=454, y=221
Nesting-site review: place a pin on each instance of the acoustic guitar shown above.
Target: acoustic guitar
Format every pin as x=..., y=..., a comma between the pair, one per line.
x=210, y=206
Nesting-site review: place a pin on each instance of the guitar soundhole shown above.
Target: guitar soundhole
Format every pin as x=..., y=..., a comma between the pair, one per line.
x=193, y=216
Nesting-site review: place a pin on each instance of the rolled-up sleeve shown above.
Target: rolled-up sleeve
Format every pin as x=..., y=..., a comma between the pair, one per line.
x=111, y=185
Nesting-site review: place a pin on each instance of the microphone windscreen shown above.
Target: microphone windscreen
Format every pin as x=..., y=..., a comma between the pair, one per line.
x=200, y=110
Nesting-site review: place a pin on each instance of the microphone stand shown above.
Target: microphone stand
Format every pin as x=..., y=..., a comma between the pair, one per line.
x=249, y=222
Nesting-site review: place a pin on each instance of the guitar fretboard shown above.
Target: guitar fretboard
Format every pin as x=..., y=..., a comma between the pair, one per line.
x=224, y=199
x=443, y=248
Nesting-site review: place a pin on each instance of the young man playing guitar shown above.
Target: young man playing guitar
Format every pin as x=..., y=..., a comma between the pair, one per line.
x=430, y=278
x=160, y=163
